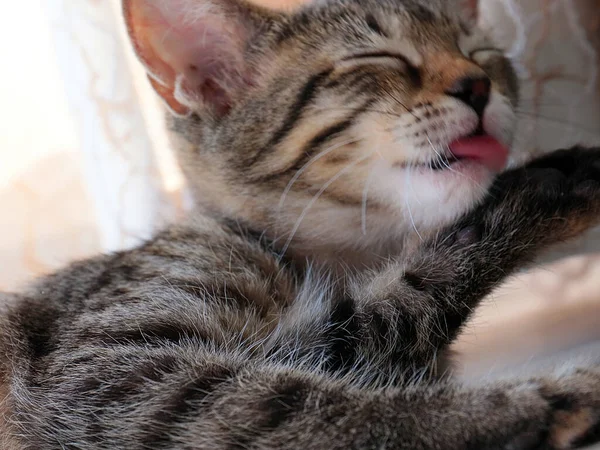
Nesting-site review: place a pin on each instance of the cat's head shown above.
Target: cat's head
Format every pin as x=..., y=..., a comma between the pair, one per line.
x=346, y=123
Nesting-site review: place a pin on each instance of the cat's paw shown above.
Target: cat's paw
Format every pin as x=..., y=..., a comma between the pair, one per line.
x=571, y=162
x=572, y=416
x=558, y=194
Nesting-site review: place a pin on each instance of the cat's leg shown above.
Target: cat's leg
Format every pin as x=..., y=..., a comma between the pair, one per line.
x=184, y=398
x=405, y=314
x=287, y=410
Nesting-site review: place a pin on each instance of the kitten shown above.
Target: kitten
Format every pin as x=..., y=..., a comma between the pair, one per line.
x=297, y=310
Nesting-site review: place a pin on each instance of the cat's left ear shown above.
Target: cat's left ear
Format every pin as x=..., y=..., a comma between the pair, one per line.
x=195, y=50
x=469, y=10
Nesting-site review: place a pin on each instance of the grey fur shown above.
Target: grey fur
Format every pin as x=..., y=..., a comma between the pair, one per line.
x=207, y=337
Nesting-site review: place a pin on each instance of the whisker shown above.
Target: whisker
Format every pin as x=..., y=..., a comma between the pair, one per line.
x=311, y=161
x=397, y=100
x=363, y=215
x=476, y=183
x=410, y=166
x=449, y=167
x=532, y=98
x=407, y=201
x=441, y=158
x=378, y=111
x=558, y=121
x=482, y=188
x=316, y=197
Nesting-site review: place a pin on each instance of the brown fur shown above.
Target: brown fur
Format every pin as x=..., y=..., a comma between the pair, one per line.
x=307, y=304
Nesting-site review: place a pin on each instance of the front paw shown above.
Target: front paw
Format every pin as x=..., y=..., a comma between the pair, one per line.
x=574, y=410
x=557, y=196
x=561, y=413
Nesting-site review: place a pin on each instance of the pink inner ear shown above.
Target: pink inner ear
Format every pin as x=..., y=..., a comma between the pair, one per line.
x=471, y=9
x=193, y=49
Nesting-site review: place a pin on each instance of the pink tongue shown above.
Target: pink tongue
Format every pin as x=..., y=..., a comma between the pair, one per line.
x=485, y=149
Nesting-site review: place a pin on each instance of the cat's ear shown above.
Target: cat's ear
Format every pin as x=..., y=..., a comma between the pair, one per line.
x=469, y=10
x=193, y=50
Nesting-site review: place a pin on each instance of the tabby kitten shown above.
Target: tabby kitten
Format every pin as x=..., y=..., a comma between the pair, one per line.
x=345, y=160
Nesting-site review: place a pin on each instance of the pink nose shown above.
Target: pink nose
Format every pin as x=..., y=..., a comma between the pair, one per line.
x=474, y=91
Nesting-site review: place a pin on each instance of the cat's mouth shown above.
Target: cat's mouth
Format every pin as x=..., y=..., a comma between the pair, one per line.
x=479, y=148
x=443, y=162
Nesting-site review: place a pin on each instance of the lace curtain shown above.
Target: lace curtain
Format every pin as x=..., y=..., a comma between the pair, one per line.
x=86, y=165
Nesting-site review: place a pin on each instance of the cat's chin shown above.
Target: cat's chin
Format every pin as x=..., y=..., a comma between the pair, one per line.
x=432, y=197
x=439, y=192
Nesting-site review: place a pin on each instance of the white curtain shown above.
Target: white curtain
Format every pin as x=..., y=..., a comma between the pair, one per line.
x=86, y=166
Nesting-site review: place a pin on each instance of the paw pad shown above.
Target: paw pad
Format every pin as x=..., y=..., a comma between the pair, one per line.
x=570, y=427
x=467, y=236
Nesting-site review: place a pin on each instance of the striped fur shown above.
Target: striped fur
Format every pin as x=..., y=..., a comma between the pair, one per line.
x=284, y=314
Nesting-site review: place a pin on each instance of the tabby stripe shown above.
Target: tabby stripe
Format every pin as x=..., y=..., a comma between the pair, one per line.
x=336, y=129
x=41, y=330
x=329, y=133
x=353, y=81
x=139, y=377
x=343, y=200
x=237, y=297
x=374, y=25
x=184, y=405
x=301, y=22
x=317, y=141
x=151, y=333
x=410, y=70
x=277, y=409
x=105, y=390
x=287, y=400
x=246, y=232
x=304, y=99
x=344, y=336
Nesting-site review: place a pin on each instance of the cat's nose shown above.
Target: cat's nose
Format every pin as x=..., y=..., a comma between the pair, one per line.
x=473, y=90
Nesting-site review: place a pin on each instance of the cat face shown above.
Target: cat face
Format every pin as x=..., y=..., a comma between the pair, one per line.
x=346, y=123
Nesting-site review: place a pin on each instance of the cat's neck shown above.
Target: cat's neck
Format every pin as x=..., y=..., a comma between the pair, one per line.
x=333, y=238
x=328, y=254
x=343, y=262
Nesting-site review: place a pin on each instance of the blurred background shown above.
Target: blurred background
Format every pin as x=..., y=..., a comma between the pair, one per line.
x=86, y=166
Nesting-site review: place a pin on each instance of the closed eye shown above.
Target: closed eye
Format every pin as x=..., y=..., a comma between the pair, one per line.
x=377, y=56
x=386, y=58
x=484, y=53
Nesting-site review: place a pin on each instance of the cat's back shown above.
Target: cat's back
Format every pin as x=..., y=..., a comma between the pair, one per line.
x=183, y=268
x=125, y=319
